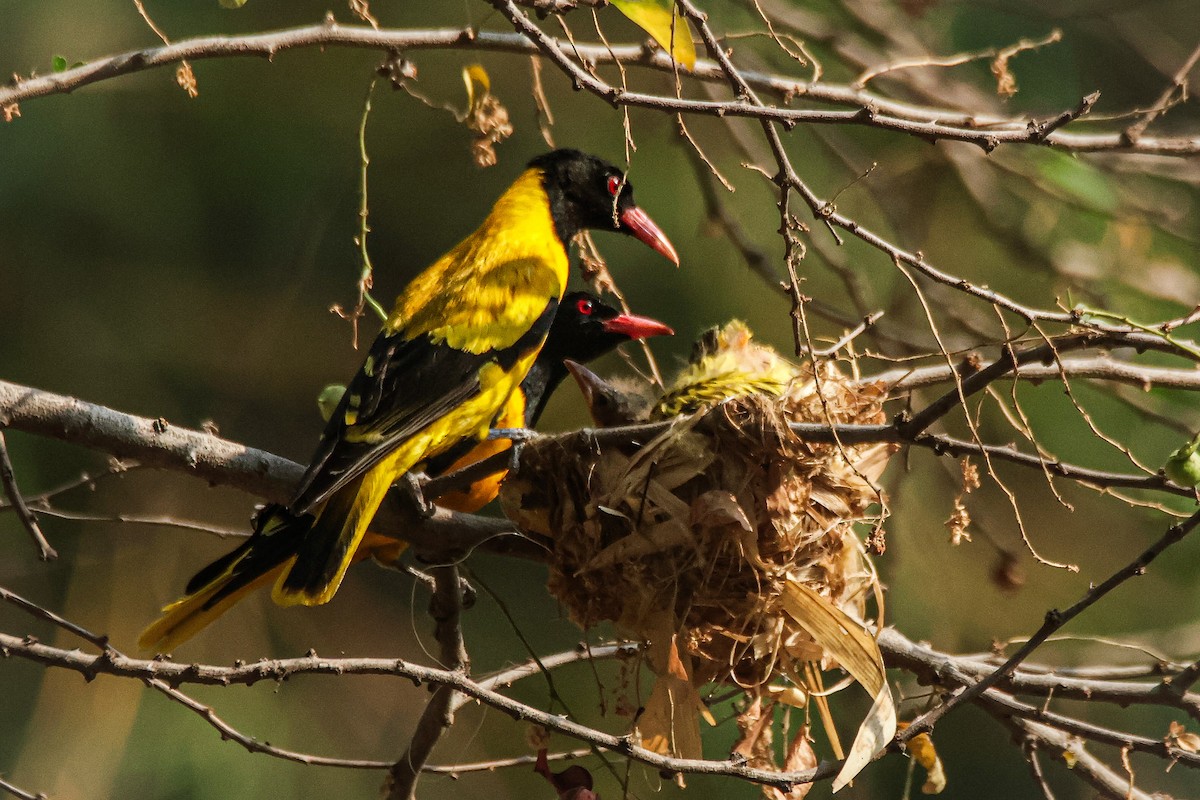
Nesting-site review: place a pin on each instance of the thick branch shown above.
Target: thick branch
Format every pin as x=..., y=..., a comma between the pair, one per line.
x=220, y=462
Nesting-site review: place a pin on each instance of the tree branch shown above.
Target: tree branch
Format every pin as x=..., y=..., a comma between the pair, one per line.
x=8, y=480
x=220, y=462
x=1055, y=620
x=445, y=606
x=165, y=671
x=985, y=130
x=1095, y=772
x=17, y=791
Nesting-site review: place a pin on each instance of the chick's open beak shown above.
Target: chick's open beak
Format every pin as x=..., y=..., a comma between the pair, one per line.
x=639, y=224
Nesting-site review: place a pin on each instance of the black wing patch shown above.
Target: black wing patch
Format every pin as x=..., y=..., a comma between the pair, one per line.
x=411, y=383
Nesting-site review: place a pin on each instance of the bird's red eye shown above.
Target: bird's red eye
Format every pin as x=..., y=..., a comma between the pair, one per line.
x=614, y=184
x=584, y=306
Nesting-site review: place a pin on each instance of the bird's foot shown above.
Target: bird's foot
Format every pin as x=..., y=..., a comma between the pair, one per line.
x=512, y=434
x=412, y=487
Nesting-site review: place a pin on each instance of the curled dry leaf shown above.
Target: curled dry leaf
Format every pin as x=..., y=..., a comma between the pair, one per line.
x=1179, y=736
x=697, y=540
x=960, y=520
x=921, y=748
x=486, y=117
x=755, y=744
x=800, y=756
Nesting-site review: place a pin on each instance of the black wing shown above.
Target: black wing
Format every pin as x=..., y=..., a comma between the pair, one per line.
x=404, y=385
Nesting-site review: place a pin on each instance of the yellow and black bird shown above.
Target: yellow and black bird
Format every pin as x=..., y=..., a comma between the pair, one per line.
x=458, y=342
x=584, y=329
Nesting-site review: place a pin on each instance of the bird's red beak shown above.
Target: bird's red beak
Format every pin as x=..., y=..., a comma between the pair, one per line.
x=636, y=327
x=638, y=223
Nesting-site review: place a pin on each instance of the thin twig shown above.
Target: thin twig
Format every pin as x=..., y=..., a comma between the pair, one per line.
x=454, y=770
x=870, y=109
x=445, y=606
x=1178, y=85
x=1054, y=621
x=28, y=521
x=111, y=655
x=17, y=791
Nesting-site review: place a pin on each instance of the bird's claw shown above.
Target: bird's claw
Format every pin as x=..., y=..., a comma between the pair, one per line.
x=412, y=486
x=512, y=434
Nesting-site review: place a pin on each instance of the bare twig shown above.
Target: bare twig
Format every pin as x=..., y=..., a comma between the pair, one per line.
x=9, y=481
x=110, y=655
x=1179, y=84
x=872, y=110
x=929, y=664
x=445, y=606
x=1141, y=376
x=17, y=791
x=1094, y=771
x=1054, y=621
x=454, y=770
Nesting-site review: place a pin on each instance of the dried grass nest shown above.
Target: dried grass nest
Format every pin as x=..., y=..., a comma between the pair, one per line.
x=696, y=539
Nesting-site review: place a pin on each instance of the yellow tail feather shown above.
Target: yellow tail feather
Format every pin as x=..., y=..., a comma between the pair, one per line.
x=186, y=617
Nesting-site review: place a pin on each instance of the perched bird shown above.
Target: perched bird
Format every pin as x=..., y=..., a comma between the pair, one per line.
x=725, y=363
x=1183, y=465
x=584, y=329
x=458, y=342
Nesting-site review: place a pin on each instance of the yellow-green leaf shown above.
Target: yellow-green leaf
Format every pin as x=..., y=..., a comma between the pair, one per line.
x=478, y=84
x=662, y=21
x=328, y=399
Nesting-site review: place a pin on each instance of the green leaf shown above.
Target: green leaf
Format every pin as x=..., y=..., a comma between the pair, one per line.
x=58, y=63
x=1083, y=181
x=232, y=3
x=660, y=18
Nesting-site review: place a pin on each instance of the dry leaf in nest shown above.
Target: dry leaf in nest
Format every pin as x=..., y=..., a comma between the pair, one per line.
x=755, y=744
x=695, y=539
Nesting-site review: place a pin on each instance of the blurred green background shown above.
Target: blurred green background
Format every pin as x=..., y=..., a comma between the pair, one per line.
x=174, y=257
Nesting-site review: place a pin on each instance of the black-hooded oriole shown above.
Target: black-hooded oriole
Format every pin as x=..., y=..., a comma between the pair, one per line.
x=458, y=342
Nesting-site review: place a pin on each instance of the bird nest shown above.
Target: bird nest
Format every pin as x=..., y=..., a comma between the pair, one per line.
x=713, y=539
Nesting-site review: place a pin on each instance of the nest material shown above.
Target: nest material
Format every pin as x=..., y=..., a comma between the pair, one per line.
x=698, y=531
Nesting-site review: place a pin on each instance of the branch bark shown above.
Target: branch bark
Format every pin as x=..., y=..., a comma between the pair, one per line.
x=981, y=128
